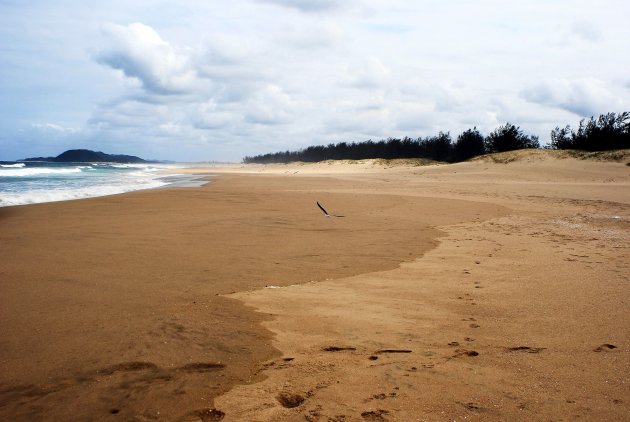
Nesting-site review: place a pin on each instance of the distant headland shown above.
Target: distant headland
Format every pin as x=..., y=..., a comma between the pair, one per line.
x=88, y=156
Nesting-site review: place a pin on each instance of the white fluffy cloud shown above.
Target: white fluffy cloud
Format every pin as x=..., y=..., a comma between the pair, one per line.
x=139, y=52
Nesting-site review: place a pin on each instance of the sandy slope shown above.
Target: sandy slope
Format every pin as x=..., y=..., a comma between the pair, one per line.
x=520, y=317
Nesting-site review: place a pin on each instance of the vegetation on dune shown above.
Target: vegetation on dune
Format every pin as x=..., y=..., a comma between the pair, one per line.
x=609, y=131
x=509, y=138
x=612, y=155
x=470, y=143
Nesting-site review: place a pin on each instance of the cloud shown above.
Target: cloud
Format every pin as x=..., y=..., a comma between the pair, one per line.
x=184, y=92
x=307, y=5
x=139, y=52
x=584, y=97
x=55, y=128
x=231, y=69
x=219, y=80
x=210, y=116
x=310, y=35
x=586, y=31
x=370, y=74
x=270, y=106
x=129, y=113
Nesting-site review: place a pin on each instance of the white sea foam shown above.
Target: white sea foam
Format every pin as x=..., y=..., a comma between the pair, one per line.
x=37, y=184
x=12, y=166
x=35, y=196
x=128, y=166
x=39, y=196
x=36, y=171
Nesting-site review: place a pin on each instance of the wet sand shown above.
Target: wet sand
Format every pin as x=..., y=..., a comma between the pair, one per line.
x=114, y=307
x=480, y=290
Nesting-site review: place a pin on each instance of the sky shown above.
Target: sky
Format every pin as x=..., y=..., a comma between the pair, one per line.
x=213, y=80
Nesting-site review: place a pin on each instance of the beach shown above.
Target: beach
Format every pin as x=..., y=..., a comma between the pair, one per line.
x=484, y=290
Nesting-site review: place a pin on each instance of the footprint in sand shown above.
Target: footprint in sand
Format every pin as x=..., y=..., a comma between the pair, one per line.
x=604, y=347
x=375, y=415
x=465, y=352
x=338, y=349
x=196, y=367
x=474, y=407
x=128, y=367
x=381, y=396
x=314, y=414
x=525, y=349
x=280, y=364
x=382, y=351
x=290, y=400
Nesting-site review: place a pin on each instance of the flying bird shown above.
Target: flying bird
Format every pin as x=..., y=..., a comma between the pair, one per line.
x=326, y=212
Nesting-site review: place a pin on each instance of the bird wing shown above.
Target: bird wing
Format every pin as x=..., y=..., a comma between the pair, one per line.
x=322, y=208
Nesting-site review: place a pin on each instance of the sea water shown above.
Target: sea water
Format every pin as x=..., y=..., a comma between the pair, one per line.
x=36, y=182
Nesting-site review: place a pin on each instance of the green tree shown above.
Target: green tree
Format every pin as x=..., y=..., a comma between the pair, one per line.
x=469, y=144
x=609, y=131
x=508, y=138
x=561, y=138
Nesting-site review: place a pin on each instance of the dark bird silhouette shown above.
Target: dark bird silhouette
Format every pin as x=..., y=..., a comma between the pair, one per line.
x=326, y=212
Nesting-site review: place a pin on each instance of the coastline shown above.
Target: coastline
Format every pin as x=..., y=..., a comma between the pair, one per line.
x=57, y=182
x=145, y=301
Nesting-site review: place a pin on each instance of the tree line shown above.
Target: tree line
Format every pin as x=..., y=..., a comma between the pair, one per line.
x=609, y=131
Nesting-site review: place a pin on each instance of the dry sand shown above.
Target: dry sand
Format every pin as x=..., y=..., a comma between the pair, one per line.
x=473, y=291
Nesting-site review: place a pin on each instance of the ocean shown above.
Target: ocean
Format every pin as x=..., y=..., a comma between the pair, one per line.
x=36, y=182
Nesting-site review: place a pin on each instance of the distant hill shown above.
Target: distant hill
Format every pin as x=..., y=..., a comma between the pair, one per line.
x=88, y=156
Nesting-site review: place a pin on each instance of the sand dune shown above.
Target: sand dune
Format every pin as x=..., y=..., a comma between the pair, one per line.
x=480, y=290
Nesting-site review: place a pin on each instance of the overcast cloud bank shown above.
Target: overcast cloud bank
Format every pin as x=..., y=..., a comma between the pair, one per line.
x=198, y=81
